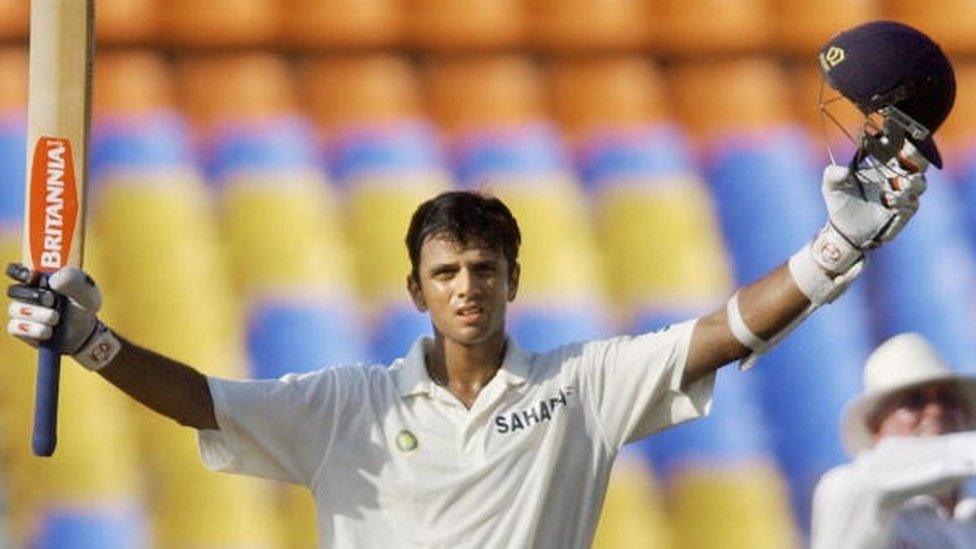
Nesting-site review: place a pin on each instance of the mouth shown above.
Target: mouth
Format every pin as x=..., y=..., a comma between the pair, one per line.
x=471, y=313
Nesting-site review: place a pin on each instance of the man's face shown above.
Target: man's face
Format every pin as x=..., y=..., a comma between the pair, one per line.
x=466, y=289
x=928, y=410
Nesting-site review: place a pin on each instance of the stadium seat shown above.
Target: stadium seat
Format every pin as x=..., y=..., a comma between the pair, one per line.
x=588, y=25
x=341, y=24
x=475, y=92
x=800, y=28
x=709, y=26
x=395, y=327
x=218, y=23
x=589, y=97
x=946, y=21
x=223, y=87
x=342, y=92
x=957, y=142
x=455, y=25
x=539, y=324
x=131, y=83
x=633, y=515
x=925, y=281
x=126, y=22
x=14, y=19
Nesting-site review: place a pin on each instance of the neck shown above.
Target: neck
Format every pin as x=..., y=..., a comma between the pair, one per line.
x=465, y=369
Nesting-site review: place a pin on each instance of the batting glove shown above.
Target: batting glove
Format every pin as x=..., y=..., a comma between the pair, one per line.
x=34, y=315
x=865, y=209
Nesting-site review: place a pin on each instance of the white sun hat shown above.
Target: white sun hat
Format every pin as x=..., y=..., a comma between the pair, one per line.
x=906, y=360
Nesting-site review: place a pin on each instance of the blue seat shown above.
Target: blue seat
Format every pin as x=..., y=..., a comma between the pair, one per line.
x=538, y=328
x=92, y=528
x=657, y=152
x=925, y=281
x=279, y=144
x=156, y=140
x=493, y=155
x=287, y=335
x=367, y=151
x=13, y=147
x=396, y=329
x=767, y=195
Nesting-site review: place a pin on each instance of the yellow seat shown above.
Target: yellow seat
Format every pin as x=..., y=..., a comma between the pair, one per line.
x=799, y=27
x=261, y=214
x=126, y=22
x=472, y=93
x=378, y=211
x=948, y=22
x=216, y=23
x=742, y=507
x=14, y=19
x=662, y=247
x=593, y=95
x=452, y=25
x=589, y=25
x=341, y=23
x=221, y=88
x=714, y=98
x=686, y=28
x=346, y=91
x=633, y=515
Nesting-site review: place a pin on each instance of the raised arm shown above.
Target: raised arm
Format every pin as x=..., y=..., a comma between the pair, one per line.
x=164, y=385
x=865, y=209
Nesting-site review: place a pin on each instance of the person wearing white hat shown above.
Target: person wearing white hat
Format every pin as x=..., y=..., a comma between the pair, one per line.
x=910, y=433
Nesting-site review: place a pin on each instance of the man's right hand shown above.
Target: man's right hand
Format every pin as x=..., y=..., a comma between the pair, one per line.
x=33, y=316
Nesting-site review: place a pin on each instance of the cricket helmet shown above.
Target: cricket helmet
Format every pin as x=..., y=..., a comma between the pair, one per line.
x=894, y=69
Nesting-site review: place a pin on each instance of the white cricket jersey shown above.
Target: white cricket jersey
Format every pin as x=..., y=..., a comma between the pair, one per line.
x=395, y=460
x=884, y=498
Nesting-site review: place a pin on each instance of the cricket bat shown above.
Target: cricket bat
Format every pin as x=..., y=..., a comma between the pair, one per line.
x=58, y=121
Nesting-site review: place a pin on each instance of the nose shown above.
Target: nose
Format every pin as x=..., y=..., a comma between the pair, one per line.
x=466, y=283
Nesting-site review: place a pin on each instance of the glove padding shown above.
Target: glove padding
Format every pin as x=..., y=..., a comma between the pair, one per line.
x=33, y=316
x=867, y=208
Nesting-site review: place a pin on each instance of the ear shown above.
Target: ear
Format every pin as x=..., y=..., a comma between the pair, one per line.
x=416, y=294
x=513, y=281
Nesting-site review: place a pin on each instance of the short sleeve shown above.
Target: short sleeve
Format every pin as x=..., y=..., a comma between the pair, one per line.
x=634, y=383
x=277, y=429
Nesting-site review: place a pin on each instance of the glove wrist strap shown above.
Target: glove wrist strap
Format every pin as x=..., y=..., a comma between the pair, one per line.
x=832, y=251
x=813, y=279
x=99, y=350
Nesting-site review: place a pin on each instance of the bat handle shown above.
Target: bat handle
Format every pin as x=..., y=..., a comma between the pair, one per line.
x=45, y=435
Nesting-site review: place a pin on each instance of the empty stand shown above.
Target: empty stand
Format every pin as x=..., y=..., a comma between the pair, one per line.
x=218, y=23
x=339, y=24
x=452, y=25
x=634, y=515
x=947, y=22
x=589, y=25
x=800, y=27
x=709, y=26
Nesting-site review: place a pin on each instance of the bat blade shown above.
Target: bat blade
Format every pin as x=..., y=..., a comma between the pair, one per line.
x=58, y=122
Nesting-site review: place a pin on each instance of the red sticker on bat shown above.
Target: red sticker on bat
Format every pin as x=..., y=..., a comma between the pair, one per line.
x=53, y=204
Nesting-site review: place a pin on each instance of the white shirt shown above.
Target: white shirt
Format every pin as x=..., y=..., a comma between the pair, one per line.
x=394, y=460
x=884, y=498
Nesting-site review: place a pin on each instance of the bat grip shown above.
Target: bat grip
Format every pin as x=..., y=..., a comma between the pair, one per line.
x=45, y=435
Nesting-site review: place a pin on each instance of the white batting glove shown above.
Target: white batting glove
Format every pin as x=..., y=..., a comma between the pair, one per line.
x=33, y=315
x=865, y=209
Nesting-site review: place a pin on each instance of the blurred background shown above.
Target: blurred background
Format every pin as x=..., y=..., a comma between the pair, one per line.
x=254, y=164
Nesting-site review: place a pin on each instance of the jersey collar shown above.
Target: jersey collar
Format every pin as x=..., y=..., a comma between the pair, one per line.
x=413, y=378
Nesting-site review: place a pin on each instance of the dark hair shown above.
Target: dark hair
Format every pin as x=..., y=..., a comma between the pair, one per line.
x=465, y=217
